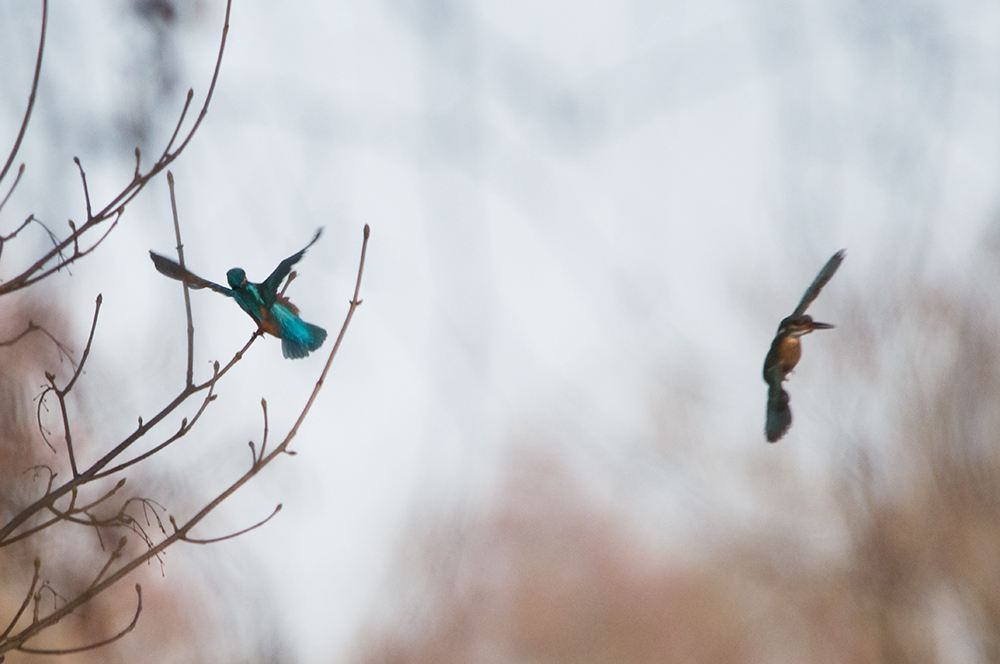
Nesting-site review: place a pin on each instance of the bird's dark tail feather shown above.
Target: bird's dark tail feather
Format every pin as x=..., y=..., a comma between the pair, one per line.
x=779, y=415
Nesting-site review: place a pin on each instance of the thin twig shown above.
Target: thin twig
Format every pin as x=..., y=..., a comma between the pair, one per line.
x=20, y=172
x=232, y=535
x=27, y=599
x=51, y=496
x=185, y=427
x=86, y=191
x=61, y=394
x=116, y=206
x=35, y=327
x=187, y=292
x=355, y=303
x=71, y=651
x=263, y=442
x=22, y=282
x=31, y=96
x=115, y=555
x=181, y=533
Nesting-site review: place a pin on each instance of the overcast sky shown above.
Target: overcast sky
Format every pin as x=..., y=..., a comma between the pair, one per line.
x=580, y=212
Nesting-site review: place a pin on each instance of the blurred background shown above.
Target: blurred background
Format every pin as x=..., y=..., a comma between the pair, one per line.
x=542, y=440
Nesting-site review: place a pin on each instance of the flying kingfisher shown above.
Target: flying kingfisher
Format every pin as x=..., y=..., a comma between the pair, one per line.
x=786, y=349
x=274, y=313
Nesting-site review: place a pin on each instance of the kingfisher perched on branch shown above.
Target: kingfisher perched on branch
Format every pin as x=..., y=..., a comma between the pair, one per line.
x=273, y=313
x=786, y=349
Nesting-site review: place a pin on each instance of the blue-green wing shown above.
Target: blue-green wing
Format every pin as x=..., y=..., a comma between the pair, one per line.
x=167, y=267
x=821, y=280
x=269, y=288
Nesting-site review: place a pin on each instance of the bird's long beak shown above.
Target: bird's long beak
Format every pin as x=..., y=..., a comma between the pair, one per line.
x=821, y=326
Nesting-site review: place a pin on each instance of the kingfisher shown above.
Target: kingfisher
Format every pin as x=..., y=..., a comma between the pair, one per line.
x=786, y=349
x=272, y=312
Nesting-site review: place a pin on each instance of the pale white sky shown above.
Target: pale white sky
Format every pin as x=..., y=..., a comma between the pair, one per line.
x=574, y=208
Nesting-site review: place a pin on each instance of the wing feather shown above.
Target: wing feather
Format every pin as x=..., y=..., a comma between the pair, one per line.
x=269, y=288
x=170, y=268
x=821, y=280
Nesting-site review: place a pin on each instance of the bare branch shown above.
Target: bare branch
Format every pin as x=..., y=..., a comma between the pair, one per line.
x=38, y=415
x=187, y=291
x=27, y=599
x=31, y=217
x=180, y=123
x=90, y=340
x=115, y=489
x=232, y=535
x=71, y=651
x=31, y=96
x=115, y=555
x=67, y=514
x=61, y=393
x=22, y=281
x=94, y=472
x=35, y=327
x=20, y=172
x=167, y=157
x=263, y=442
x=185, y=427
x=180, y=532
x=86, y=191
x=116, y=206
x=355, y=303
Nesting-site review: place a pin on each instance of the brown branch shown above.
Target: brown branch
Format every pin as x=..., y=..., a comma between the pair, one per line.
x=31, y=96
x=31, y=217
x=167, y=157
x=187, y=291
x=116, y=206
x=27, y=599
x=263, y=442
x=115, y=555
x=115, y=489
x=231, y=535
x=24, y=534
x=67, y=514
x=181, y=533
x=20, y=172
x=86, y=191
x=23, y=281
x=185, y=427
x=35, y=327
x=180, y=122
x=71, y=651
x=61, y=393
x=355, y=303
x=94, y=472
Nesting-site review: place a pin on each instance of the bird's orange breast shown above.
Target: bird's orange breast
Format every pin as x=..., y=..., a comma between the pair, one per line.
x=789, y=352
x=266, y=322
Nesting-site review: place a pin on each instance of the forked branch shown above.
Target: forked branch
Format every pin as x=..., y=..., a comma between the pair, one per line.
x=182, y=532
x=113, y=209
x=91, y=646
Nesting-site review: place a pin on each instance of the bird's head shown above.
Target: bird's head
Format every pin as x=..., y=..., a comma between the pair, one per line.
x=237, y=278
x=796, y=326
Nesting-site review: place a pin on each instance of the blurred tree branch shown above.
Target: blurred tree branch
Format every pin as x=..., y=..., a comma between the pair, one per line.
x=55, y=259
x=84, y=500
